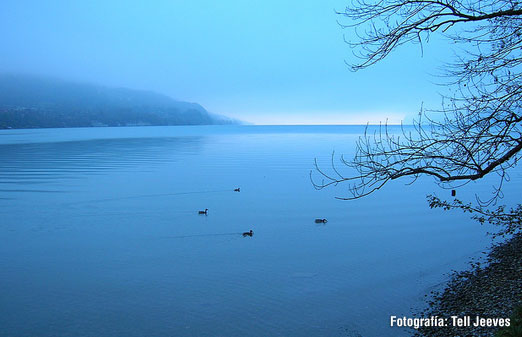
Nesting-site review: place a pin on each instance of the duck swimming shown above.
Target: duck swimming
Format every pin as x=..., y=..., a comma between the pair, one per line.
x=250, y=233
x=237, y=189
x=203, y=212
x=321, y=221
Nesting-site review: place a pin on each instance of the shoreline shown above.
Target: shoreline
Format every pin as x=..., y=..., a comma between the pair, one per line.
x=490, y=289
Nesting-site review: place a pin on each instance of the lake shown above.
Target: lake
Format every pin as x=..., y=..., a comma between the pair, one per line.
x=100, y=235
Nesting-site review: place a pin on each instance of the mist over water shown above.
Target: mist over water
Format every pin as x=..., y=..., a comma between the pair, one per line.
x=100, y=235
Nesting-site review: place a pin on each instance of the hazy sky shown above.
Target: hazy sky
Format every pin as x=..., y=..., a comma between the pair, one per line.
x=266, y=62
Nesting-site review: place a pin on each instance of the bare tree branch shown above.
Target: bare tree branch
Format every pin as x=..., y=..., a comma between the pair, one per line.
x=480, y=133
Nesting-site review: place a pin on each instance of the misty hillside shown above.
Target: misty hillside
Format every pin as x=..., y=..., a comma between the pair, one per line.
x=38, y=102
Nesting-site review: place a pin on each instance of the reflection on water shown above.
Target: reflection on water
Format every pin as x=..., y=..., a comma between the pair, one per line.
x=100, y=236
x=40, y=162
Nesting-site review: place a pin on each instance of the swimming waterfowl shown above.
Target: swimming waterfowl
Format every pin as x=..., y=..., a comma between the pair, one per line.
x=248, y=233
x=321, y=221
x=237, y=189
x=203, y=212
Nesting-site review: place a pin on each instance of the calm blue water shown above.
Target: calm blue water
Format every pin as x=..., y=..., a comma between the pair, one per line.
x=100, y=235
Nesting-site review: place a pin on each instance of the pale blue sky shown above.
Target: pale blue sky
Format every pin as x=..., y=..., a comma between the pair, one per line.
x=265, y=62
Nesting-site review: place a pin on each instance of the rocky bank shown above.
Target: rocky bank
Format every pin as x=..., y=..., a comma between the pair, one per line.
x=490, y=289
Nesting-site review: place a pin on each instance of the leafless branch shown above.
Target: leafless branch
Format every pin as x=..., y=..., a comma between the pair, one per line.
x=480, y=132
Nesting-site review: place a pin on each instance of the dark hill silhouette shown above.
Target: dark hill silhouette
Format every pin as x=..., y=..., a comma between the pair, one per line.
x=40, y=102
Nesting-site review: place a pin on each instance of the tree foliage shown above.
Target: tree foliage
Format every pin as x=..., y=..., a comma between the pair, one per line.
x=508, y=221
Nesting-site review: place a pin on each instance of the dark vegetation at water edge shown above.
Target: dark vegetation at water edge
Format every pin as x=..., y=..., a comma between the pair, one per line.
x=38, y=102
x=492, y=289
x=515, y=330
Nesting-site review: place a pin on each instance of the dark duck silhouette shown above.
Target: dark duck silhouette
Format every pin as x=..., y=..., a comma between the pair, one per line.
x=204, y=212
x=321, y=221
x=250, y=233
x=237, y=189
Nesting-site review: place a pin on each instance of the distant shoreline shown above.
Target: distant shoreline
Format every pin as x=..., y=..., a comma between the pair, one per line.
x=29, y=101
x=102, y=126
x=223, y=124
